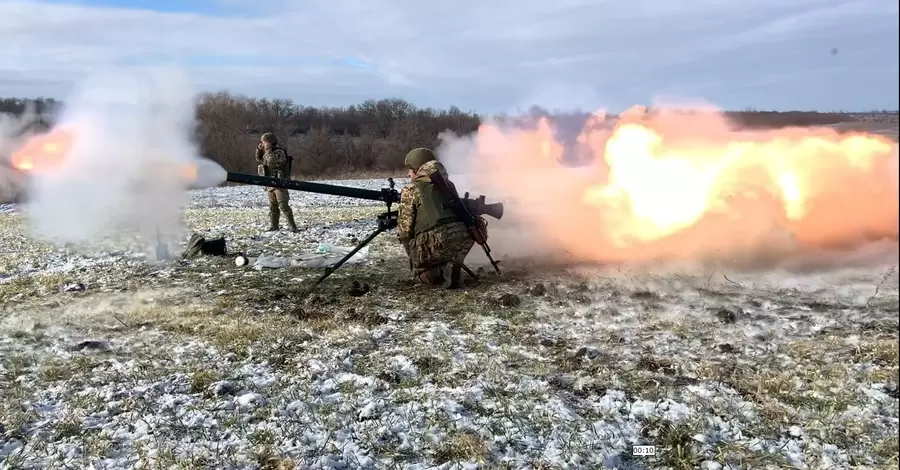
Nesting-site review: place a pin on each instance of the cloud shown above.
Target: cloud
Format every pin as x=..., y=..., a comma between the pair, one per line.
x=488, y=56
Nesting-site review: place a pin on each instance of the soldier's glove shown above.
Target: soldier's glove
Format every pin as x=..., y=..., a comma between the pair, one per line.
x=259, y=153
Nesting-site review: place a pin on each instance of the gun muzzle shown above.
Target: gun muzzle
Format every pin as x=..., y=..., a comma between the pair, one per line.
x=477, y=206
x=494, y=210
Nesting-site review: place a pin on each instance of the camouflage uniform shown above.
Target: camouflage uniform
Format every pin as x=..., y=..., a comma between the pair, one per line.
x=275, y=160
x=436, y=241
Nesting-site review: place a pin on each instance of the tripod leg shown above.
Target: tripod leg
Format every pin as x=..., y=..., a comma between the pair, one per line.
x=333, y=268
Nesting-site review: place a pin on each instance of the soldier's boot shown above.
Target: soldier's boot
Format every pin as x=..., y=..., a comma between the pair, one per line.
x=273, y=220
x=289, y=216
x=456, y=276
x=433, y=276
x=452, y=274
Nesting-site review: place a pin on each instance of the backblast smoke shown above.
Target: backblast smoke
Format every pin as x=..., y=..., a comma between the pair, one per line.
x=118, y=161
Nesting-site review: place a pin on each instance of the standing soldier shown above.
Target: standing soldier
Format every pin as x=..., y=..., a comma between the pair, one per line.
x=274, y=162
x=435, y=239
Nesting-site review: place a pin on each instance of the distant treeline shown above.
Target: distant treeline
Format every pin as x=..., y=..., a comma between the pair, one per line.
x=373, y=135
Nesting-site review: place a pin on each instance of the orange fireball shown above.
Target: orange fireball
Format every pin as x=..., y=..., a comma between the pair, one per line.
x=44, y=152
x=683, y=185
x=48, y=153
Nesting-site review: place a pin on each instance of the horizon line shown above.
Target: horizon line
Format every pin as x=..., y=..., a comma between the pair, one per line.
x=521, y=109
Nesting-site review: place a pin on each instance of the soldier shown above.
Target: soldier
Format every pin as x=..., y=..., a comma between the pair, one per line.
x=435, y=240
x=274, y=161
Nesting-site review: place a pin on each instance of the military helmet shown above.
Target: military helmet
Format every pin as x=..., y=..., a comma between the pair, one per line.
x=418, y=157
x=269, y=137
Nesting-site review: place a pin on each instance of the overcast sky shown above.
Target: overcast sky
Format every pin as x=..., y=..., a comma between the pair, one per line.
x=484, y=55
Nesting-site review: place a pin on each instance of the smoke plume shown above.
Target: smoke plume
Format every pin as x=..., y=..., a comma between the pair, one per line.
x=678, y=185
x=118, y=162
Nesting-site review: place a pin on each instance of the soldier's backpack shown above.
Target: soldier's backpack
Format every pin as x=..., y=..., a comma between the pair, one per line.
x=198, y=244
x=290, y=163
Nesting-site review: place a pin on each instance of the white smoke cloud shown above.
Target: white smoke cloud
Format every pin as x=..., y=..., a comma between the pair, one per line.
x=122, y=174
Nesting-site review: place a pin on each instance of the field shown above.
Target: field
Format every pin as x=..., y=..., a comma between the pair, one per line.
x=110, y=361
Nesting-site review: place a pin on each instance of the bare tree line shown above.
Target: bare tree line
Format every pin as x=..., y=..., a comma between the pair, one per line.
x=373, y=135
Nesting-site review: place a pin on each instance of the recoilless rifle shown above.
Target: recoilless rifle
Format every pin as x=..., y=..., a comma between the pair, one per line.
x=467, y=209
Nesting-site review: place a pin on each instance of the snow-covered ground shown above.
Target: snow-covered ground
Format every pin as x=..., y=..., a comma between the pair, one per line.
x=109, y=361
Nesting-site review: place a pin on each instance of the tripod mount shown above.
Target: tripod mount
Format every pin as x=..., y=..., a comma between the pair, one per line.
x=385, y=221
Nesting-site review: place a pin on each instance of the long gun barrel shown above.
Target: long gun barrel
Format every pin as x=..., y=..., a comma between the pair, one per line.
x=386, y=195
x=389, y=195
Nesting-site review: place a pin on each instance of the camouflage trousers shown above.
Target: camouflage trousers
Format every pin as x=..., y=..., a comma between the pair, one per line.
x=278, y=204
x=438, y=246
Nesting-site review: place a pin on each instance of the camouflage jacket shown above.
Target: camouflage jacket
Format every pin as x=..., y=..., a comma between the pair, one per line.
x=411, y=201
x=275, y=159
